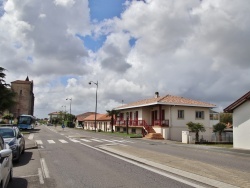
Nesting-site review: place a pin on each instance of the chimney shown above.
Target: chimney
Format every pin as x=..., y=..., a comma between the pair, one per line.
x=156, y=94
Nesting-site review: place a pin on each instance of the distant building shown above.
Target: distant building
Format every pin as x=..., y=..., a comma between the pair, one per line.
x=24, y=97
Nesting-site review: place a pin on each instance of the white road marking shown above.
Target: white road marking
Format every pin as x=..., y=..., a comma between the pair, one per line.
x=44, y=168
x=51, y=141
x=39, y=142
x=63, y=141
x=96, y=140
x=107, y=140
x=73, y=140
x=85, y=140
x=31, y=136
x=40, y=175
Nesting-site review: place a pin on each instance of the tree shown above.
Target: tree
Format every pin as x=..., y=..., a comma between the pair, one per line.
x=6, y=94
x=219, y=127
x=112, y=113
x=226, y=118
x=196, y=127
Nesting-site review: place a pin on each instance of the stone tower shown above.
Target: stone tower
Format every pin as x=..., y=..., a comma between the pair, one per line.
x=24, y=97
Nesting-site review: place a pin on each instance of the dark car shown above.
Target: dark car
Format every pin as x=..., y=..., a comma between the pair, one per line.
x=14, y=138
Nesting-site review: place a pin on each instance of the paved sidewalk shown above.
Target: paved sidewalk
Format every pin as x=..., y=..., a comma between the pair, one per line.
x=194, y=170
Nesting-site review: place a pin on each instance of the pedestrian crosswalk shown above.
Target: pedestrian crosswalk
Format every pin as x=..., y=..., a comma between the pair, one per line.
x=89, y=140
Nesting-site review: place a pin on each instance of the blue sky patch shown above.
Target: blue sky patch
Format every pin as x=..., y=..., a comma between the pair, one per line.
x=105, y=9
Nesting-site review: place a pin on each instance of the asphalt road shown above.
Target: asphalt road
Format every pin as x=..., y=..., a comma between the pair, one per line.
x=64, y=160
x=74, y=158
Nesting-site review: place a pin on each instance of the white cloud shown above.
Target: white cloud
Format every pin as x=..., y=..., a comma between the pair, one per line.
x=196, y=49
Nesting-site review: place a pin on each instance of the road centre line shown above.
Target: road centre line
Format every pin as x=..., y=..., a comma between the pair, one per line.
x=44, y=168
x=40, y=175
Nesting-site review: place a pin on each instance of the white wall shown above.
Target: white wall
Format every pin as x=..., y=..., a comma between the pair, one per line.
x=241, y=126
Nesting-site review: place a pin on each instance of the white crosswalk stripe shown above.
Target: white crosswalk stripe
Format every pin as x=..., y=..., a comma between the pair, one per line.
x=85, y=140
x=73, y=140
x=31, y=136
x=96, y=140
x=39, y=142
x=51, y=141
x=63, y=141
x=107, y=140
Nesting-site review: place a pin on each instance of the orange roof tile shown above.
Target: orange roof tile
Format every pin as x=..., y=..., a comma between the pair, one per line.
x=99, y=117
x=167, y=100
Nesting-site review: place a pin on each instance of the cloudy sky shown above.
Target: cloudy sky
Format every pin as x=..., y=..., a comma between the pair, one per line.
x=199, y=49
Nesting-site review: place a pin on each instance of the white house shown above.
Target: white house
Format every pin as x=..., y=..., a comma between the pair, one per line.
x=167, y=115
x=102, y=122
x=241, y=121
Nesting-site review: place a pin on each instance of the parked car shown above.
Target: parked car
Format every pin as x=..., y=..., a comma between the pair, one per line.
x=6, y=166
x=15, y=139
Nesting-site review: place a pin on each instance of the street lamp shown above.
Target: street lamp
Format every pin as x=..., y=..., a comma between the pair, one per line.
x=70, y=99
x=95, y=99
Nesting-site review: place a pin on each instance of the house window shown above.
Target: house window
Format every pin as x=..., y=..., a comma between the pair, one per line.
x=180, y=114
x=199, y=114
x=118, y=129
x=133, y=130
x=162, y=114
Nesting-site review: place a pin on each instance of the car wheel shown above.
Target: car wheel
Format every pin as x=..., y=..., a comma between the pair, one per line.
x=11, y=174
x=23, y=149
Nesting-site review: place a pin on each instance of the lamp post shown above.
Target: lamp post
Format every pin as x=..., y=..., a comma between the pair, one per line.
x=70, y=99
x=96, y=83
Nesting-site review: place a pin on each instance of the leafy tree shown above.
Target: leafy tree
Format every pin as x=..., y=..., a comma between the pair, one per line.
x=6, y=94
x=219, y=127
x=112, y=113
x=8, y=117
x=226, y=118
x=196, y=127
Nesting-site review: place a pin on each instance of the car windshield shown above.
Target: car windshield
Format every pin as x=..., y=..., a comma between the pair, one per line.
x=7, y=133
x=24, y=120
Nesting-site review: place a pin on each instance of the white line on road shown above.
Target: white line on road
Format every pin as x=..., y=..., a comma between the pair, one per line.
x=85, y=140
x=39, y=142
x=44, y=168
x=40, y=175
x=96, y=140
x=63, y=141
x=107, y=140
x=51, y=141
x=31, y=136
x=73, y=140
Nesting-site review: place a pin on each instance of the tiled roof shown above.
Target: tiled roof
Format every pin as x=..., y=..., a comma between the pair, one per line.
x=237, y=103
x=99, y=117
x=167, y=100
x=81, y=117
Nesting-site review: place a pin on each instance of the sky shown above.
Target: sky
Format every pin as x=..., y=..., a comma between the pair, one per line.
x=198, y=49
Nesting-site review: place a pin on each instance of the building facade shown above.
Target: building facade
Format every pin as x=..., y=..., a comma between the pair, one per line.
x=167, y=115
x=241, y=121
x=24, y=97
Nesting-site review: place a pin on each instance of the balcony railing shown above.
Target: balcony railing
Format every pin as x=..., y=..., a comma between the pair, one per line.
x=162, y=123
x=130, y=123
